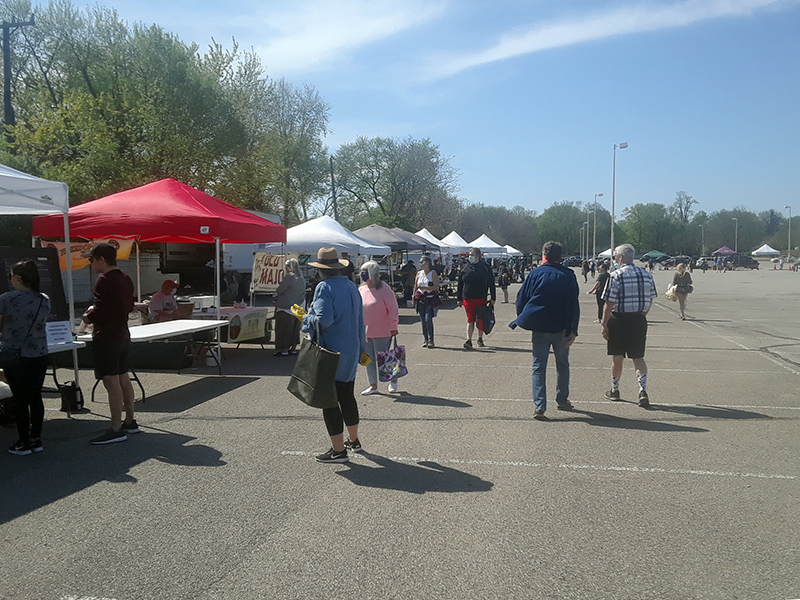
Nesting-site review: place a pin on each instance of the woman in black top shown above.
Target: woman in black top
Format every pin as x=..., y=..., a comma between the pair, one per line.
x=598, y=288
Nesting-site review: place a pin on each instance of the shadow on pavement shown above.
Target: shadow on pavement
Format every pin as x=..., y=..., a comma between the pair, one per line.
x=710, y=412
x=406, y=398
x=188, y=395
x=31, y=482
x=615, y=422
x=419, y=478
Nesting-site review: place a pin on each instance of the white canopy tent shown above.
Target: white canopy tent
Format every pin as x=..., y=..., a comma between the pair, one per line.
x=766, y=250
x=424, y=233
x=511, y=251
x=324, y=232
x=606, y=254
x=456, y=242
x=23, y=194
x=487, y=245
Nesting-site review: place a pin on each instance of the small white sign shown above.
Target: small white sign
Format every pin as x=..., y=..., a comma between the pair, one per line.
x=58, y=332
x=204, y=229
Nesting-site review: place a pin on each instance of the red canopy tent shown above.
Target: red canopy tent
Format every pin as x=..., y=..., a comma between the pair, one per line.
x=164, y=211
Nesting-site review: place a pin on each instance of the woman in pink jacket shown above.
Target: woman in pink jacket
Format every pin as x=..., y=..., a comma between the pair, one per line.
x=380, y=320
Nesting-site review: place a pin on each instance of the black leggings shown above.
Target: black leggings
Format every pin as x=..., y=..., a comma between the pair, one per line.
x=347, y=410
x=25, y=381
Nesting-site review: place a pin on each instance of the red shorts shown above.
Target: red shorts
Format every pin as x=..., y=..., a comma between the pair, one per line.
x=471, y=305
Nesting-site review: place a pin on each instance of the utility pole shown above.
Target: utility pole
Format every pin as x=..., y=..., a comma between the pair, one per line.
x=8, y=108
x=333, y=193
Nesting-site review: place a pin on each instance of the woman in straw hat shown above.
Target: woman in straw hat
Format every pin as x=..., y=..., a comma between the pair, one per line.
x=338, y=311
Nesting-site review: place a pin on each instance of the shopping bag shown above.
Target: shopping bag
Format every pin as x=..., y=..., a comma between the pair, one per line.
x=670, y=293
x=392, y=363
x=314, y=375
x=485, y=314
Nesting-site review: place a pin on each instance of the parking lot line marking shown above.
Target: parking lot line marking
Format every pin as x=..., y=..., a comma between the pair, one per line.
x=597, y=368
x=656, y=404
x=571, y=467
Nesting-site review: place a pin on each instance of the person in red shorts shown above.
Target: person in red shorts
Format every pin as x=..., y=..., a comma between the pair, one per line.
x=475, y=288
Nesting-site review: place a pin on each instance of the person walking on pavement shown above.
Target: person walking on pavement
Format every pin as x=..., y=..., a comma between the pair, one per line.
x=547, y=306
x=475, y=283
x=597, y=290
x=628, y=296
x=111, y=340
x=381, y=318
x=426, y=299
x=683, y=287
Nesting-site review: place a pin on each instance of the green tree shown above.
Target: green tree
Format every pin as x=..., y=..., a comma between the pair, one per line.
x=722, y=229
x=772, y=220
x=562, y=223
x=648, y=227
x=681, y=209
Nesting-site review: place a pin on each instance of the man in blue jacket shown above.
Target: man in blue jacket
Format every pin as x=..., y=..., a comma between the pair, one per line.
x=547, y=305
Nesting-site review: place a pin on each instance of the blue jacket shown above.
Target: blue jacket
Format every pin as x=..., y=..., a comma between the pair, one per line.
x=337, y=309
x=548, y=300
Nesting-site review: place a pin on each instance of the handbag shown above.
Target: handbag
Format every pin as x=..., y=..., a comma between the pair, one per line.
x=11, y=358
x=313, y=379
x=71, y=397
x=486, y=314
x=670, y=293
x=392, y=363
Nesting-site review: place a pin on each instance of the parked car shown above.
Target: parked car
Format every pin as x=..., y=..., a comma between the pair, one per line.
x=738, y=261
x=575, y=261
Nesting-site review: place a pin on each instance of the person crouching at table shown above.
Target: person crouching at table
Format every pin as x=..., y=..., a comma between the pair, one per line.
x=337, y=311
x=163, y=305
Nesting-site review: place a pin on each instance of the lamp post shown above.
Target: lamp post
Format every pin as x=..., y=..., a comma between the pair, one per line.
x=702, y=240
x=736, y=238
x=621, y=146
x=789, y=243
x=594, y=235
x=586, y=243
x=580, y=241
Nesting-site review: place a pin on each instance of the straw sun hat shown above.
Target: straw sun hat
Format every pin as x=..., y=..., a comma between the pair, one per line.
x=328, y=258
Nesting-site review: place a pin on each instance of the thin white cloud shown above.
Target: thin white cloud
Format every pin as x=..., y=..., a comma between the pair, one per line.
x=630, y=19
x=320, y=32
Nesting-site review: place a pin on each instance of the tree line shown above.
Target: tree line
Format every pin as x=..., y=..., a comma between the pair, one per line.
x=105, y=106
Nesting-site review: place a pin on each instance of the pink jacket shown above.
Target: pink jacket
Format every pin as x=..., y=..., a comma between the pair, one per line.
x=380, y=311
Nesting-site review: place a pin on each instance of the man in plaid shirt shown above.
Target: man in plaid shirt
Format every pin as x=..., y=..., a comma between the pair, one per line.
x=628, y=296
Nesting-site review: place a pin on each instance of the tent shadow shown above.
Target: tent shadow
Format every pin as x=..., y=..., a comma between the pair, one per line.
x=188, y=395
x=419, y=478
x=407, y=398
x=59, y=472
x=710, y=412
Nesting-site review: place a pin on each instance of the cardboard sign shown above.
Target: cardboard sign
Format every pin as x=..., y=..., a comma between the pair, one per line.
x=78, y=248
x=268, y=272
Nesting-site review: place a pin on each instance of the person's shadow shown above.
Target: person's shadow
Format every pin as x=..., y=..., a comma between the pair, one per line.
x=418, y=478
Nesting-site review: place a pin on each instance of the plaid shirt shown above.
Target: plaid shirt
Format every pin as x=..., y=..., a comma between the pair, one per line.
x=631, y=289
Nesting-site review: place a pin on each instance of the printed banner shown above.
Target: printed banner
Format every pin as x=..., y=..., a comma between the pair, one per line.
x=78, y=248
x=267, y=272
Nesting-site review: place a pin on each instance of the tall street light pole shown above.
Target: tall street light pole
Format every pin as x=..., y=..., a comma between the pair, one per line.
x=621, y=146
x=789, y=243
x=586, y=244
x=702, y=240
x=580, y=241
x=594, y=235
x=736, y=238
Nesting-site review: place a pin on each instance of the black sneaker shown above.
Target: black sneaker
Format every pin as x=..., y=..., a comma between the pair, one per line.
x=20, y=448
x=644, y=399
x=35, y=445
x=425, y=344
x=132, y=427
x=109, y=436
x=331, y=456
x=354, y=445
x=567, y=406
x=480, y=343
x=468, y=345
x=539, y=415
x=431, y=345
x=612, y=395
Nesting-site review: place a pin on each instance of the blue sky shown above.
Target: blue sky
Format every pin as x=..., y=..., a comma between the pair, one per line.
x=527, y=98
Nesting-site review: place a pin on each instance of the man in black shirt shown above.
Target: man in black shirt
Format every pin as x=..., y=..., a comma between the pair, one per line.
x=111, y=340
x=475, y=283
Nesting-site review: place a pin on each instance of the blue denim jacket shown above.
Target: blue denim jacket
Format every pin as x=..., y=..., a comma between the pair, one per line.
x=337, y=308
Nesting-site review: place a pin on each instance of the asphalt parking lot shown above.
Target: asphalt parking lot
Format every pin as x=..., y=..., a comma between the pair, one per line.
x=461, y=494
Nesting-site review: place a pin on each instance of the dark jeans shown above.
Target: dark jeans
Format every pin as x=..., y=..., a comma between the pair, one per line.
x=426, y=315
x=25, y=381
x=347, y=410
x=600, y=306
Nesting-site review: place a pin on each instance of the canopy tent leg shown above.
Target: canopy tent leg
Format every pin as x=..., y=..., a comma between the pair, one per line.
x=218, y=278
x=71, y=300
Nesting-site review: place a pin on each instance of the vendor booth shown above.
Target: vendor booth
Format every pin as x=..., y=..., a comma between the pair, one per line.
x=165, y=211
x=23, y=194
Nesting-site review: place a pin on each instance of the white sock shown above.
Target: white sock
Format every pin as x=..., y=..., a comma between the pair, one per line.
x=642, y=377
x=615, y=384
